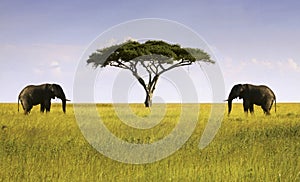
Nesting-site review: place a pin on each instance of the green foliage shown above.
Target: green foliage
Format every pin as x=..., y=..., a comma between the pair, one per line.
x=131, y=50
x=50, y=147
x=99, y=57
x=199, y=55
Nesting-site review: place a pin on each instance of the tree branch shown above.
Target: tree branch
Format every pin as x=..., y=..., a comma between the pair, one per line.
x=181, y=63
x=153, y=83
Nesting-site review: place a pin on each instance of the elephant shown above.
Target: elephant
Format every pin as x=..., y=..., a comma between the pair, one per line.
x=260, y=95
x=42, y=94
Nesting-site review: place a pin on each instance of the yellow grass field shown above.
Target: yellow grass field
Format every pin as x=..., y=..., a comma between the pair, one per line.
x=51, y=147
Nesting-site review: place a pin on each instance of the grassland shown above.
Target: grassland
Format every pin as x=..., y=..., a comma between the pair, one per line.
x=50, y=147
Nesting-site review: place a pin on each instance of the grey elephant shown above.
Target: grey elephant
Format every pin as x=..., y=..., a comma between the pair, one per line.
x=252, y=94
x=42, y=94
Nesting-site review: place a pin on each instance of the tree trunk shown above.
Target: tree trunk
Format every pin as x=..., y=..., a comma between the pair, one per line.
x=148, y=88
x=148, y=100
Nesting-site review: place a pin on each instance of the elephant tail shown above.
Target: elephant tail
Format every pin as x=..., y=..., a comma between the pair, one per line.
x=275, y=104
x=18, y=103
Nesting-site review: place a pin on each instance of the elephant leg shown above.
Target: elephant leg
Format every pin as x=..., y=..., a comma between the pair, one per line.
x=246, y=106
x=270, y=105
x=252, y=108
x=27, y=106
x=267, y=107
x=42, y=107
x=47, y=105
x=266, y=111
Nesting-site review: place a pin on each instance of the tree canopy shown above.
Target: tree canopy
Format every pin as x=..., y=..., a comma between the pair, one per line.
x=155, y=56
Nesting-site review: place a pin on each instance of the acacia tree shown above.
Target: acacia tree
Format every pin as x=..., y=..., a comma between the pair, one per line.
x=156, y=57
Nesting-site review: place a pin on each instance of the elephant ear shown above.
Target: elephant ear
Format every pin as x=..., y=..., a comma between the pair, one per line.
x=246, y=87
x=51, y=90
x=243, y=89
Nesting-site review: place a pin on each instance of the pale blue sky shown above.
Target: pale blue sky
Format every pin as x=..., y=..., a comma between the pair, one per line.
x=256, y=41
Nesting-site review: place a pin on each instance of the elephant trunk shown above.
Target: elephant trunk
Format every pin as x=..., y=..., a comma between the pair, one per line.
x=59, y=93
x=229, y=106
x=62, y=96
x=230, y=98
x=63, y=101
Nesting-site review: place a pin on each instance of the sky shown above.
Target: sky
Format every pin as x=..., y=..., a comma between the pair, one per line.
x=254, y=41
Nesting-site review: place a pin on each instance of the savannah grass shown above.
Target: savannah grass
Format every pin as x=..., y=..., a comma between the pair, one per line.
x=50, y=147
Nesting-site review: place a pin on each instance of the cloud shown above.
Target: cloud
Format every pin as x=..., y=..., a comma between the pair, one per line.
x=36, y=54
x=39, y=61
x=110, y=42
x=129, y=38
x=55, y=69
x=230, y=67
x=54, y=64
x=259, y=70
x=263, y=63
x=114, y=41
x=288, y=65
x=38, y=71
x=293, y=65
